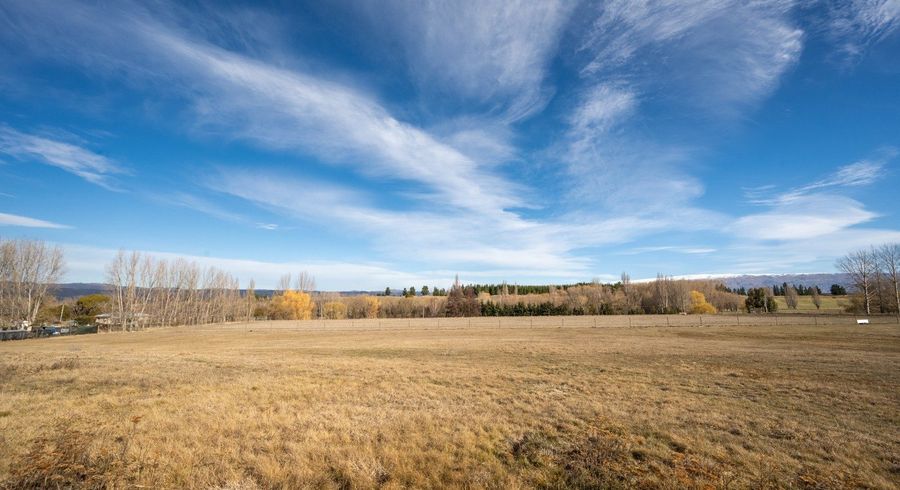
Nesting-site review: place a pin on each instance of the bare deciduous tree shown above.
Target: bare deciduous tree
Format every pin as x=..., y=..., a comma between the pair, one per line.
x=791, y=297
x=305, y=282
x=28, y=269
x=284, y=283
x=251, y=299
x=663, y=294
x=889, y=262
x=861, y=267
x=148, y=291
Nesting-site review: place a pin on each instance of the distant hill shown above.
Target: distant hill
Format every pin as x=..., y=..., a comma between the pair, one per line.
x=824, y=281
x=79, y=289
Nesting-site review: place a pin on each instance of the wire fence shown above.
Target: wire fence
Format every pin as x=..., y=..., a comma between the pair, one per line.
x=600, y=321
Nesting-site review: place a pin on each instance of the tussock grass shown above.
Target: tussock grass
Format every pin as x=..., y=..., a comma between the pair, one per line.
x=714, y=407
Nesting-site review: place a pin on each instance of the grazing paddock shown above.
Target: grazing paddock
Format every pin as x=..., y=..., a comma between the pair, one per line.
x=599, y=321
x=829, y=304
x=274, y=405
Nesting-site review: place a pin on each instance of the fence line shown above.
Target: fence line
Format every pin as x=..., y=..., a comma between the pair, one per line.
x=586, y=321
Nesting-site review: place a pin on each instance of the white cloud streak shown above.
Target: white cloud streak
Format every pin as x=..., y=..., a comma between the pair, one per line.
x=72, y=158
x=812, y=253
x=492, y=53
x=857, y=24
x=546, y=248
x=805, y=212
x=803, y=217
x=714, y=57
x=86, y=263
x=273, y=107
x=857, y=174
x=490, y=239
x=198, y=204
x=715, y=53
x=24, y=221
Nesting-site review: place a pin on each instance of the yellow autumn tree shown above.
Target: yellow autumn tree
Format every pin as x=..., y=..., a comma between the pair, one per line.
x=699, y=305
x=334, y=310
x=292, y=305
x=372, y=307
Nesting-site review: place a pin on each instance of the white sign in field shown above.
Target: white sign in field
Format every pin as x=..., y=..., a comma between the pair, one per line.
x=862, y=321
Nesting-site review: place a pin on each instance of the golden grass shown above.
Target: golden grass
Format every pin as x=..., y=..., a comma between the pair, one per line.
x=713, y=407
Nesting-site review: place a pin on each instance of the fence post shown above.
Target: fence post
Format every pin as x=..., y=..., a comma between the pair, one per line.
x=629, y=320
x=701, y=320
x=595, y=322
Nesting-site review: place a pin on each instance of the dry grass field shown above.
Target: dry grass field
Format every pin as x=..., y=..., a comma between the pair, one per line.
x=244, y=408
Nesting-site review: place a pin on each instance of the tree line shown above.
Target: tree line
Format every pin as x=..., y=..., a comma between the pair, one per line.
x=150, y=291
x=28, y=269
x=875, y=273
x=800, y=289
x=146, y=290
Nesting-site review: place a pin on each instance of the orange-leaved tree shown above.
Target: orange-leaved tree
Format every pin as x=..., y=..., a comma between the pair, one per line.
x=699, y=305
x=292, y=305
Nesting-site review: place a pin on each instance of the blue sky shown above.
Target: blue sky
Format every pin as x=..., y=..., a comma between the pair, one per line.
x=400, y=143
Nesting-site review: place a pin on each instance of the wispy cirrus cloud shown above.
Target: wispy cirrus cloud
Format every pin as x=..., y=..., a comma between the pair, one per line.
x=811, y=252
x=718, y=54
x=502, y=240
x=803, y=217
x=860, y=173
x=441, y=158
x=610, y=166
x=801, y=212
x=271, y=106
x=670, y=248
x=492, y=54
x=87, y=263
x=855, y=25
x=288, y=110
x=698, y=61
x=451, y=241
x=75, y=159
x=25, y=221
x=196, y=203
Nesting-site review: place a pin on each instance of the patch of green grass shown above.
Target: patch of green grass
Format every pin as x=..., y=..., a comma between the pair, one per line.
x=830, y=304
